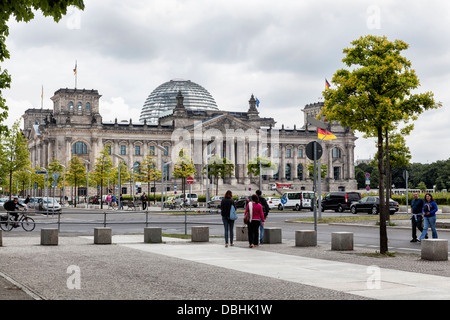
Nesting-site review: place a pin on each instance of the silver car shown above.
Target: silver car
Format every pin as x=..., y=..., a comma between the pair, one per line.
x=215, y=202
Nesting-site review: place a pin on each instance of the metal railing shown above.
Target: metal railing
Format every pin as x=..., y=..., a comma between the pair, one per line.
x=105, y=221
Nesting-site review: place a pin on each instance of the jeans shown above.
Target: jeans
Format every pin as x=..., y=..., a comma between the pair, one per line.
x=429, y=222
x=253, y=228
x=416, y=224
x=261, y=232
x=228, y=224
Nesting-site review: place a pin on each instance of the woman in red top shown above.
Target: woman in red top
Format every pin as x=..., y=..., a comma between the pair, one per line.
x=255, y=215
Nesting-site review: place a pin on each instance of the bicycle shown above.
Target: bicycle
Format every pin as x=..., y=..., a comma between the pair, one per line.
x=7, y=223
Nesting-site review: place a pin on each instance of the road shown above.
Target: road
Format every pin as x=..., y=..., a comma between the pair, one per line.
x=82, y=222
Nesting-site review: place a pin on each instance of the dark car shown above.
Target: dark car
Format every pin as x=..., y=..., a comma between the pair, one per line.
x=371, y=204
x=242, y=201
x=339, y=201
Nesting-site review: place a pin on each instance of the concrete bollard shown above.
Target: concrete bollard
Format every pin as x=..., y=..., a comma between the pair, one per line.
x=305, y=238
x=434, y=249
x=1, y=238
x=342, y=241
x=152, y=235
x=272, y=235
x=241, y=233
x=200, y=234
x=102, y=236
x=49, y=237
x=445, y=209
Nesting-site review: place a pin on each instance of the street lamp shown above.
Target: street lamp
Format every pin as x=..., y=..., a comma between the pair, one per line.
x=87, y=182
x=161, y=148
x=120, y=186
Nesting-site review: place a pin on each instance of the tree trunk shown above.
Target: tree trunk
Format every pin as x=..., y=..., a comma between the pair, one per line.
x=383, y=231
x=388, y=177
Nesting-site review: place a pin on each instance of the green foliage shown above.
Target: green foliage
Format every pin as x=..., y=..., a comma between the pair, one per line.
x=219, y=168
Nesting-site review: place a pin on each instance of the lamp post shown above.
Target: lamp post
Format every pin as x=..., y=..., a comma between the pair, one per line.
x=161, y=148
x=64, y=185
x=260, y=169
x=87, y=182
x=120, y=187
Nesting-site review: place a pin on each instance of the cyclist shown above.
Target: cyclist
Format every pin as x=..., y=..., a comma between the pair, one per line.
x=11, y=206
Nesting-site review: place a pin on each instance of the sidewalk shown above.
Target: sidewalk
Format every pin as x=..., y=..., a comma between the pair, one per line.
x=182, y=270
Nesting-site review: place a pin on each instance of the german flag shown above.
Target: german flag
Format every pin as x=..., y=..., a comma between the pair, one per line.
x=325, y=135
x=327, y=84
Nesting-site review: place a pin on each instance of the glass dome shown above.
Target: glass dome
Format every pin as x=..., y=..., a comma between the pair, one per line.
x=164, y=98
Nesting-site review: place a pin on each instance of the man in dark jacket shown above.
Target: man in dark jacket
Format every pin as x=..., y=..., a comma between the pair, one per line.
x=266, y=209
x=11, y=206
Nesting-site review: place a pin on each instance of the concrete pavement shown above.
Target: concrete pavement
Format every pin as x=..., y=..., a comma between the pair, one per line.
x=177, y=269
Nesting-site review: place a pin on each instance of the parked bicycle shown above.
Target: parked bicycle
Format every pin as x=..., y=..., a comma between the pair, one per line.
x=7, y=222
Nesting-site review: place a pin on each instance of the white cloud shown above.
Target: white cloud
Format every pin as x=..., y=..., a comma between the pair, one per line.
x=280, y=51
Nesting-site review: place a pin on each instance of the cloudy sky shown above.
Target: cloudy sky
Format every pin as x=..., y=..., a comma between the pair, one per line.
x=281, y=51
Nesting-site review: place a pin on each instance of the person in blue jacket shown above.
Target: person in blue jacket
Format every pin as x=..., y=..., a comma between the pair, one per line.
x=429, y=216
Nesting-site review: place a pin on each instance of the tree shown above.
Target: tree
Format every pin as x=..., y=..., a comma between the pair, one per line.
x=14, y=153
x=102, y=170
x=76, y=174
x=373, y=96
x=184, y=167
x=23, y=10
x=149, y=173
x=219, y=168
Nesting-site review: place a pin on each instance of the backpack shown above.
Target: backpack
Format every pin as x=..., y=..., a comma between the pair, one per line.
x=9, y=205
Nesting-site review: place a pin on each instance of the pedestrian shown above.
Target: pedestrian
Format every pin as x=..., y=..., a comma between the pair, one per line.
x=113, y=201
x=121, y=202
x=266, y=209
x=144, y=201
x=429, y=216
x=108, y=200
x=228, y=224
x=416, y=216
x=255, y=216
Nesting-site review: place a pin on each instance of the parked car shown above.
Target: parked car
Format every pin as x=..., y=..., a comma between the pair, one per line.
x=339, y=201
x=273, y=202
x=242, y=201
x=371, y=204
x=2, y=202
x=41, y=204
x=297, y=200
x=215, y=202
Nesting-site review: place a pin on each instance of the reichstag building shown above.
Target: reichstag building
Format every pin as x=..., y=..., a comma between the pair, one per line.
x=182, y=114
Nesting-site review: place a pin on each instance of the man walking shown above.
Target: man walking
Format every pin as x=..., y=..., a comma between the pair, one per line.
x=416, y=216
x=266, y=209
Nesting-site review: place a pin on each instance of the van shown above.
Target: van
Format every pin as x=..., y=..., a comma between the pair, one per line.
x=298, y=200
x=191, y=199
x=339, y=201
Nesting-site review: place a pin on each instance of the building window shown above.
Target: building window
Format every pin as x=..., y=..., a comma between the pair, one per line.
x=152, y=151
x=137, y=150
x=336, y=153
x=337, y=173
x=288, y=171
x=166, y=153
x=70, y=106
x=300, y=153
x=88, y=106
x=288, y=153
x=300, y=171
x=123, y=150
x=79, y=148
x=79, y=106
x=108, y=149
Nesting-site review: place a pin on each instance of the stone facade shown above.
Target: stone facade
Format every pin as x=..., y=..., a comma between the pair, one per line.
x=74, y=127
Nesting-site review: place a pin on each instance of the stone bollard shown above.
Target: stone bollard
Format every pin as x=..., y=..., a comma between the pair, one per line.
x=152, y=235
x=342, y=241
x=241, y=233
x=200, y=234
x=272, y=235
x=49, y=237
x=1, y=238
x=434, y=249
x=445, y=209
x=305, y=238
x=102, y=236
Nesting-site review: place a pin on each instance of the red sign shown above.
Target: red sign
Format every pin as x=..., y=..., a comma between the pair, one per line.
x=189, y=180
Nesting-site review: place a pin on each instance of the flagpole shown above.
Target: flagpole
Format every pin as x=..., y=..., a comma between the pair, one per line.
x=76, y=73
x=42, y=98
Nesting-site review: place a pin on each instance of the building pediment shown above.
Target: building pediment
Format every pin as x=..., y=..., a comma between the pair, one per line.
x=222, y=123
